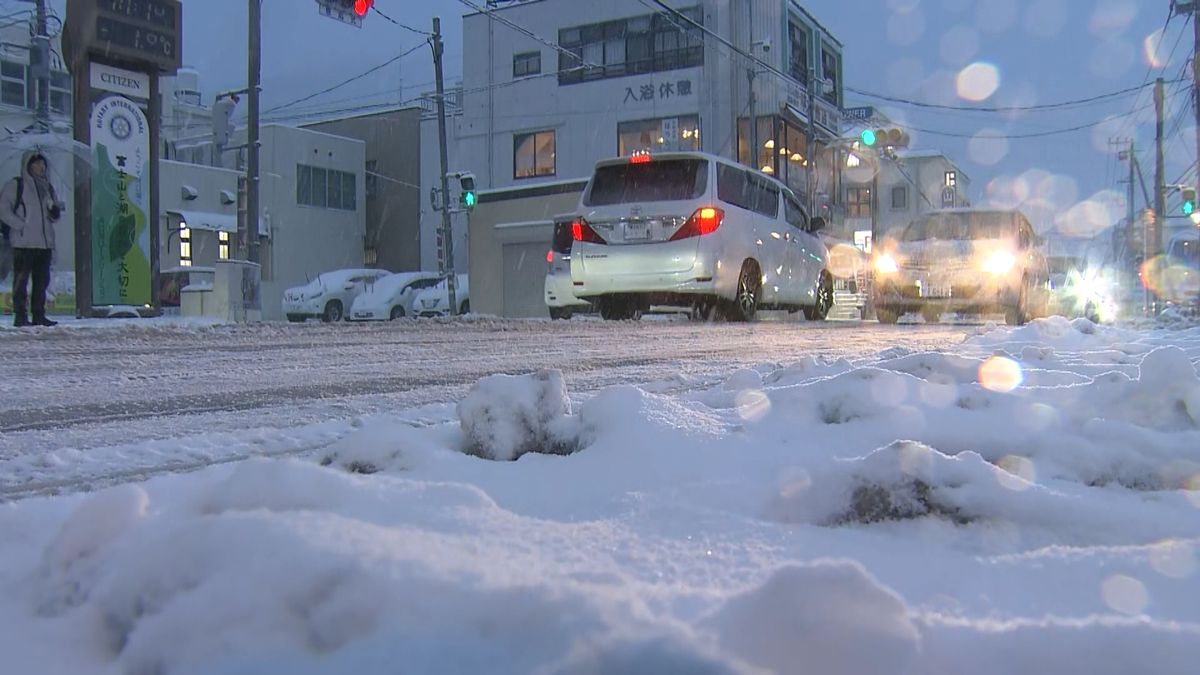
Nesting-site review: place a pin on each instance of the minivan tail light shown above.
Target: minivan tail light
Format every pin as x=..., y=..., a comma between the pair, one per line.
x=641, y=158
x=581, y=231
x=704, y=221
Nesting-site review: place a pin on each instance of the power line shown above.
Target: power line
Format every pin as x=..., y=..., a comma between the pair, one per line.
x=1003, y=109
x=527, y=33
x=418, y=31
x=1036, y=134
x=343, y=83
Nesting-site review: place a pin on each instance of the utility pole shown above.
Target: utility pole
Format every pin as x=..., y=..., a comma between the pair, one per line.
x=1154, y=247
x=810, y=142
x=40, y=62
x=751, y=74
x=254, y=77
x=447, y=228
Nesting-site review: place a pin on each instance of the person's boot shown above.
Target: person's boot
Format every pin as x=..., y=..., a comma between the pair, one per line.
x=43, y=321
x=20, y=320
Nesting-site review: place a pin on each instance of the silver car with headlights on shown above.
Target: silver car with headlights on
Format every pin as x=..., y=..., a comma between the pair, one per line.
x=696, y=231
x=968, y=261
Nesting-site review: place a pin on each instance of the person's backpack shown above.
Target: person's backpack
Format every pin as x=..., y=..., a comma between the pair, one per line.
x=19, y=201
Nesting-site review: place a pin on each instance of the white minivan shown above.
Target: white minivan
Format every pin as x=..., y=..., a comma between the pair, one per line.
x=698, y=231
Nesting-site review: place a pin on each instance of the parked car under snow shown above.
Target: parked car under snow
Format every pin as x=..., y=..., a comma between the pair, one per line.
x=330, y=295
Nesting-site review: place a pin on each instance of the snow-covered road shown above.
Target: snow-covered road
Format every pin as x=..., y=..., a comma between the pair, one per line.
x=86, y=406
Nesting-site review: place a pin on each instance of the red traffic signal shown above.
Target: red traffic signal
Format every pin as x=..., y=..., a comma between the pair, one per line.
x=361, y=7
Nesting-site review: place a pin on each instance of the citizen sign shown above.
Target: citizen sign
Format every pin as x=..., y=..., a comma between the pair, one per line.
x=120, y=81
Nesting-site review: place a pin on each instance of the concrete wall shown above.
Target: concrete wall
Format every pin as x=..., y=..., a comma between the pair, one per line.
x=393, y=217
x=510, y=235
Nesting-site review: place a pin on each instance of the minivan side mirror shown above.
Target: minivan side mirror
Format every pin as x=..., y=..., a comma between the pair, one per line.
x=816, y=224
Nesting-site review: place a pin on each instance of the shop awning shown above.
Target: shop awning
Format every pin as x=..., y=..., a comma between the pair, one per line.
x=204, y=220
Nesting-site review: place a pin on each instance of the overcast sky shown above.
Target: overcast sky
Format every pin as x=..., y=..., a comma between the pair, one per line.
x=1043, y=51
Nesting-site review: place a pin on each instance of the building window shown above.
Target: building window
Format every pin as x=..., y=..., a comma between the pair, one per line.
x=951, y=179
x=656, y=135
x=900, y=198
x=858, y=202
x=534, y=154
x=831, y=72
x=326, y=188
x=641, y=44
x=526, y=64
x=798, y=57
x=60, y=93
x=185, y=245
x=223, y=245
x=12, y=84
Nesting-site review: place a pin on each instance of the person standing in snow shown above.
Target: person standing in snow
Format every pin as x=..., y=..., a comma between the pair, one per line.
x=28, y=210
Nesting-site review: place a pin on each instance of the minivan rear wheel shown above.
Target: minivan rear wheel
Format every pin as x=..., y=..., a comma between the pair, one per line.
x=887, y=315
x=1018, y=315
x=745, y=304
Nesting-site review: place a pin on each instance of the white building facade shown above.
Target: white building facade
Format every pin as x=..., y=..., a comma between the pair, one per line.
x=907, y=186
x=622, y=76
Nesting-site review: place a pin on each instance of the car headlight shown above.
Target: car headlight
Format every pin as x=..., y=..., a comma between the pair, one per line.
x=886, y=264
x=1000, y=262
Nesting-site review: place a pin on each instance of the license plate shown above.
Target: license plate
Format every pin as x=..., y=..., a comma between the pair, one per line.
x=637, y=231
x=935, y=291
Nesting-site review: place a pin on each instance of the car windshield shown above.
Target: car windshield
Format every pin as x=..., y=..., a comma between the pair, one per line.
x=962, y=227
x=654, y=181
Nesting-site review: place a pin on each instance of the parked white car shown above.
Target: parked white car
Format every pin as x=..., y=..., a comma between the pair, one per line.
x=392, y=297
x=698, y=231
x=560, y=295
x=433, y=302
x=330, y=295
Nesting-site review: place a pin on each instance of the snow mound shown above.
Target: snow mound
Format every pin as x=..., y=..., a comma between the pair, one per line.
x=1165, y=396
x=902, y=481
x=1056, y=332
x=506, y=416
x=823, y=615
x=649, y=656
x=940, y=368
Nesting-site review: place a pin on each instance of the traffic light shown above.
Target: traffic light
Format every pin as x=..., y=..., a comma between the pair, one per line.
x=1189, y=201
x=362, y=7
x=467, y=198
x=885, y=138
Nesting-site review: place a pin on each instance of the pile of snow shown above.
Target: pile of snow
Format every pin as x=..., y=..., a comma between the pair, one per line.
x=1026, y=502
x=506, y=416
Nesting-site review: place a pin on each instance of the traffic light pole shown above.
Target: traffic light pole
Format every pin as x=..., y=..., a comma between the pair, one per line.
x=1154, y=247
x=252, y=130
x=447, y=228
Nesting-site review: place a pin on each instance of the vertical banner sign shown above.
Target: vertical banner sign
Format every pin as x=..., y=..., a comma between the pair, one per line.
x=120, y=136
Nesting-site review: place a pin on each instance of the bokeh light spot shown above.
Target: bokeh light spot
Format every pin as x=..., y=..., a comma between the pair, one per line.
x=752, y=404
x=959, y=45
x=1174, y=559
x=1046, y=18
x=1112, y=17
x=978, y=81
x=1000, y=374
x=1124, y=594
x=996, y=16
x=988, y=147
x=1017, y=474
x=1113, y=58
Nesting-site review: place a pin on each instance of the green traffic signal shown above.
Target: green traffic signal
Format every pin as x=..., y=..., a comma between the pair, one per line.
x=1189, y=201
x=869, y=139
x=469, y=199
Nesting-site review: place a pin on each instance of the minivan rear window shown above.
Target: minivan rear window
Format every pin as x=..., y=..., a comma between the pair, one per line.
x=657, y=181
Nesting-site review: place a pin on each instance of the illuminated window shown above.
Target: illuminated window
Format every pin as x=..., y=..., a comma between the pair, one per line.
x=223, y=245
x=534, y=154
x=185, y=245
x=951, y=179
